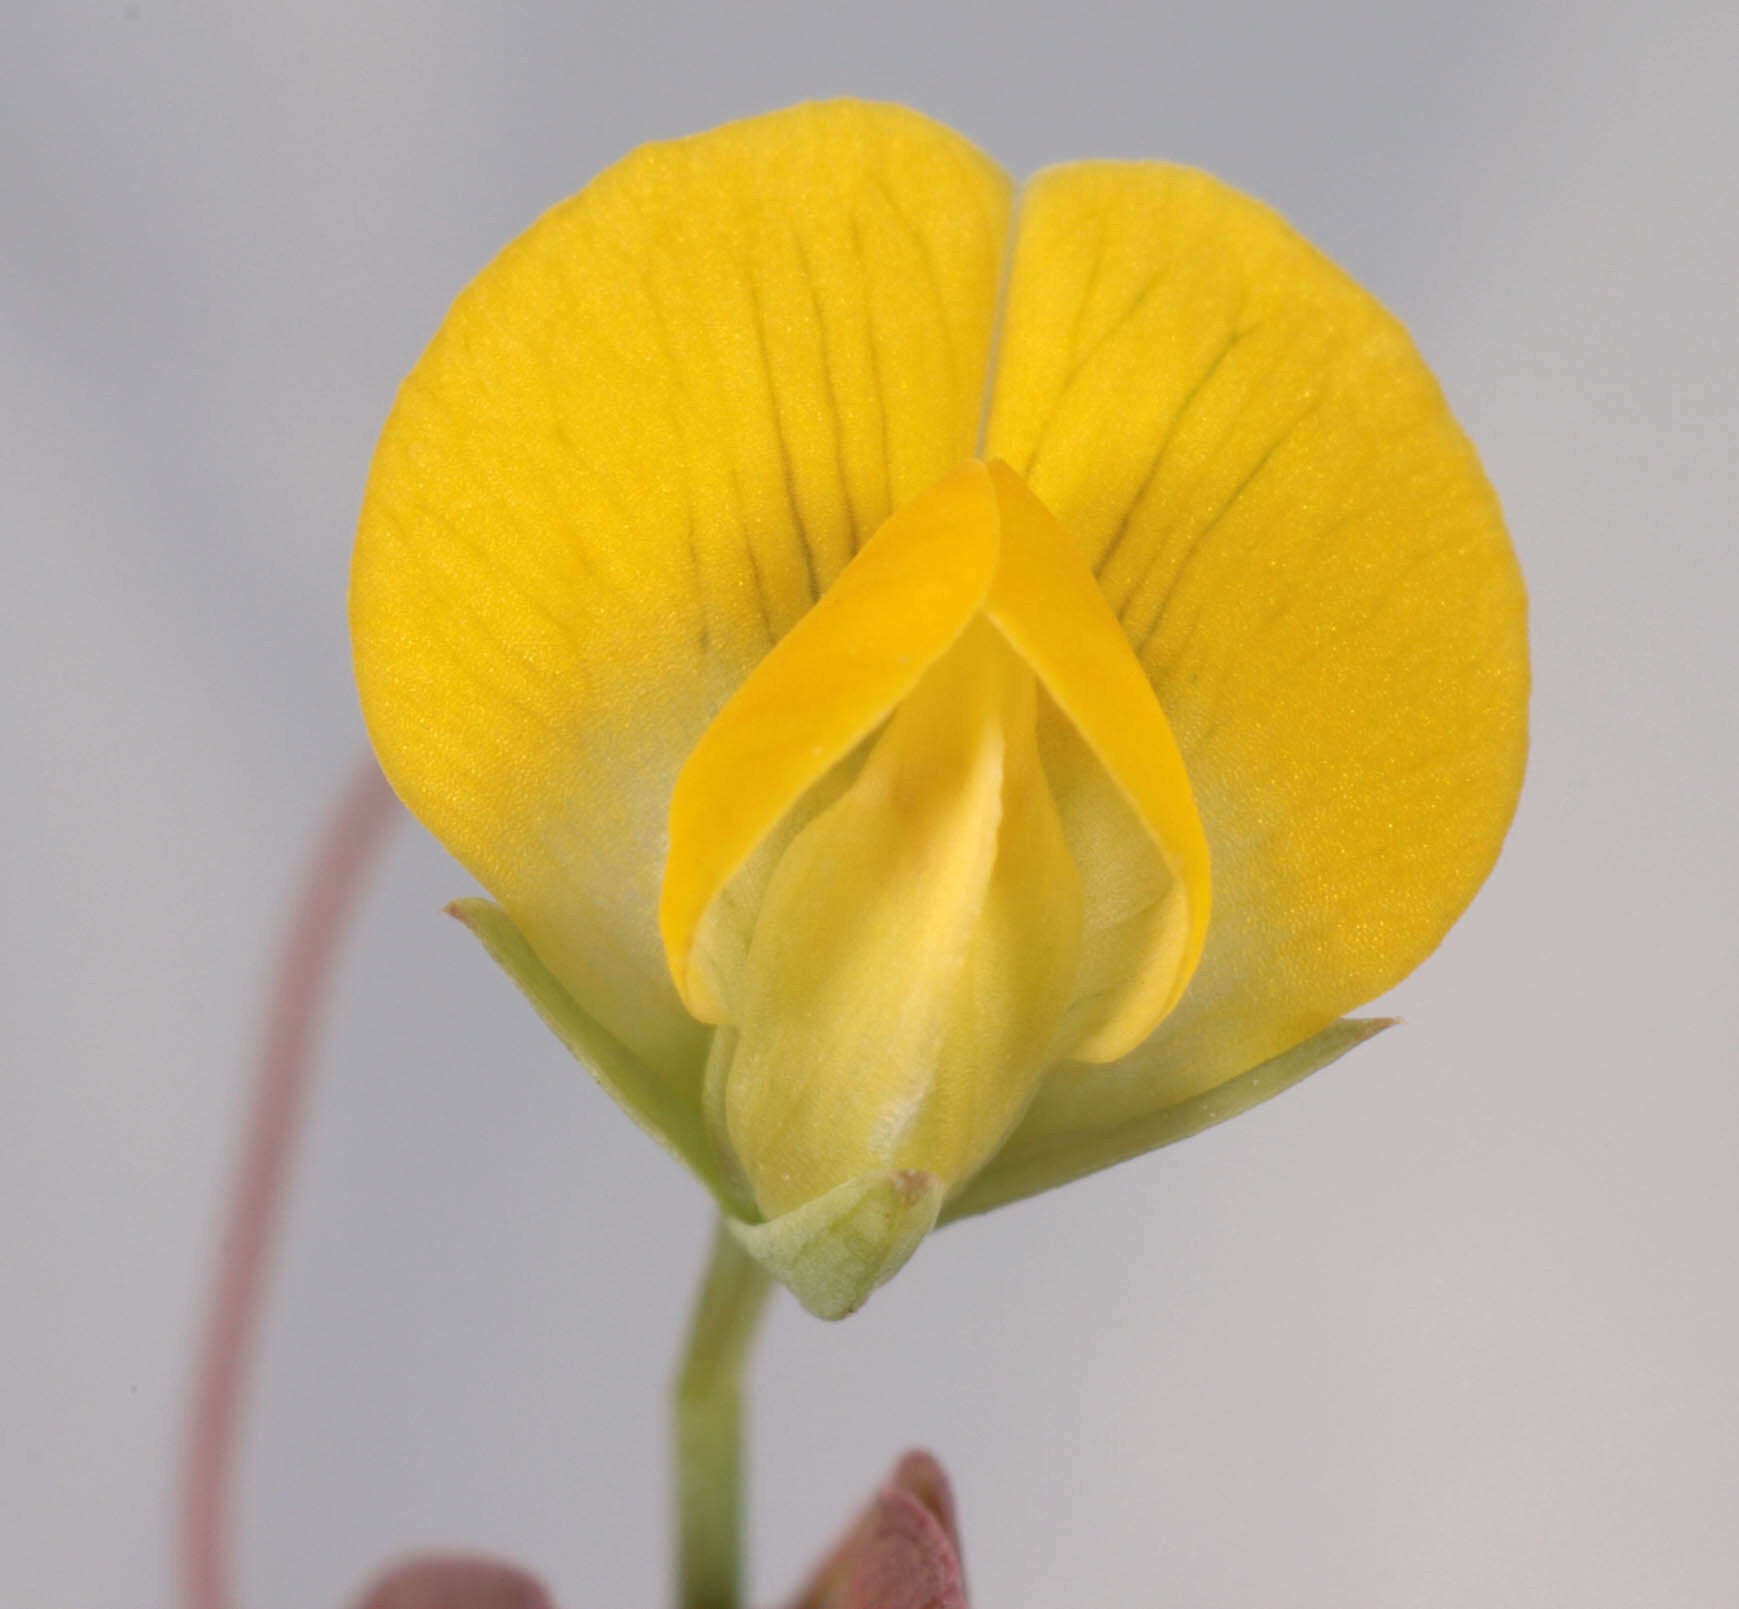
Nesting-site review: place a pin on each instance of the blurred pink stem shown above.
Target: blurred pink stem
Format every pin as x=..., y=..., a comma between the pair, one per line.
x=282, y=1081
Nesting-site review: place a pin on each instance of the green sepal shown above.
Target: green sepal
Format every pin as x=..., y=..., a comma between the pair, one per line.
x=833, y=1252
x=654, y=1104
x=1046, y=1161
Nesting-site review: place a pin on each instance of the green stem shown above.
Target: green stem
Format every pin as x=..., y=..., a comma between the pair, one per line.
x=709, y=1430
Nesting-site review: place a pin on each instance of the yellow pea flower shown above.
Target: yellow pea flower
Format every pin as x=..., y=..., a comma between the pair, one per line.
x=950, y=688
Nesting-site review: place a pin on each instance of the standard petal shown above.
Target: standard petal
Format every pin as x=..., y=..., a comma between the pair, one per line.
x=647, y=438
x=1300, y=545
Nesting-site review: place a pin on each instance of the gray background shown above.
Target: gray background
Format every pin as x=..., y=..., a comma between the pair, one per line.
x=1453, y=1324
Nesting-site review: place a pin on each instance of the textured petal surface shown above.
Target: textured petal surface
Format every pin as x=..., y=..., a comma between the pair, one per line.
x=1302, y=548
x=647, y=438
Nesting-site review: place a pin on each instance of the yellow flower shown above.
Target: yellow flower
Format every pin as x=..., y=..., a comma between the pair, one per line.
x=845, y=718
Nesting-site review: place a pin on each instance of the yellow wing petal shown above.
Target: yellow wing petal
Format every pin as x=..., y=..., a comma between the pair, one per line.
x=646, y=439
x=1046, y=604
x=828, y=684
x=1300, y=544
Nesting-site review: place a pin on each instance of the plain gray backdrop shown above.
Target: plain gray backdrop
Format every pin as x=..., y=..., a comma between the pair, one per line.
x=1453, y=1324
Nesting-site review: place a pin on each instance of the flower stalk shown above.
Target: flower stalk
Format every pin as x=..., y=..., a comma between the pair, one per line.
x=708, y=1413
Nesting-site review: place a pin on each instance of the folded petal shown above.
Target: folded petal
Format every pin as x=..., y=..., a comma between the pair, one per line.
x=914, y=953
x=1300, y=545
x=939, y=837
x=646, y=440
x=830, y=682
x=1045, y=602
